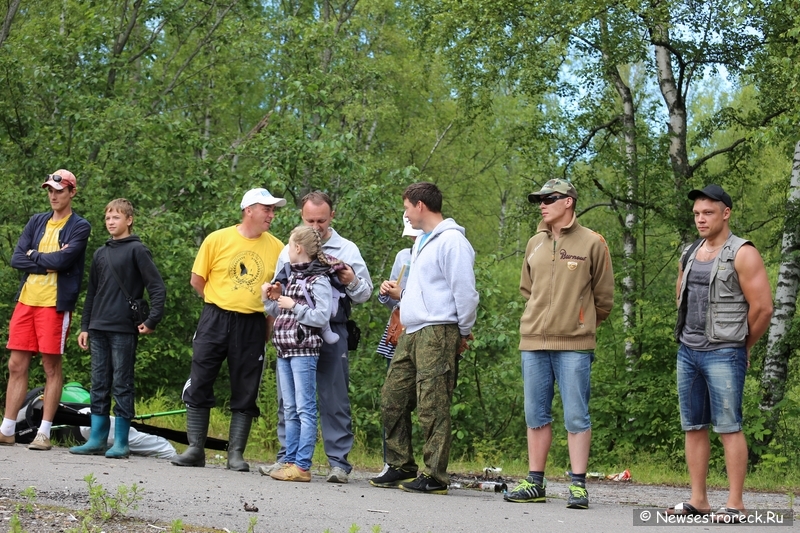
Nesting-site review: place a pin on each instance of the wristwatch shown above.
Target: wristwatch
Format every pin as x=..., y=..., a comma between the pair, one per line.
x=353, y=284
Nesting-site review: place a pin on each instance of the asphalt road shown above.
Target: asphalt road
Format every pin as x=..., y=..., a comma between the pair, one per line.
x=215, y=497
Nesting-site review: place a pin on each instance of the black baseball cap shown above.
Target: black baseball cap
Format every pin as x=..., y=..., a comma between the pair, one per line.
x=715, y=192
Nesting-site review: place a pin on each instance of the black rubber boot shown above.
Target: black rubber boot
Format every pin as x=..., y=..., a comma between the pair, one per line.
x=196, y=432
x=237, y=441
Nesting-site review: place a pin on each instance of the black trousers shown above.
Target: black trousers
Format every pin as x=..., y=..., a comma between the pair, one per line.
x=237, y=337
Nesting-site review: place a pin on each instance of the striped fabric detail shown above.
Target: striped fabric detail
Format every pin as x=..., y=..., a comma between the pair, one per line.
x=65, y=322
x=384, y=348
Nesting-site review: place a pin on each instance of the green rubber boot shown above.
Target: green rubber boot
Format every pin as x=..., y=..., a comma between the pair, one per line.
x=120, y=450
x=98, y=439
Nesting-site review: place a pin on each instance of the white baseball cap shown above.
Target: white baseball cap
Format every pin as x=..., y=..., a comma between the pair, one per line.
x=261, y=196
x=408, y=231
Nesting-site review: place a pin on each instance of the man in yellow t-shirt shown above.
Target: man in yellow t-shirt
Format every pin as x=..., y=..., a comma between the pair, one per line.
x=50, y=253
x=228, y=272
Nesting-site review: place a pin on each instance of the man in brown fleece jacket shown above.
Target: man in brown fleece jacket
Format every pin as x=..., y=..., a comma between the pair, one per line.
x=568, y=283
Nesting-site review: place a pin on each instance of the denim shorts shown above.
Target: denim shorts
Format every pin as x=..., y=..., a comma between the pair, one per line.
x=541, y=369
x=710, y=388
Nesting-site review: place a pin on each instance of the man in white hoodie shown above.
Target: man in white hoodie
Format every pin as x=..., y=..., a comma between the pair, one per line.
x=439, y=307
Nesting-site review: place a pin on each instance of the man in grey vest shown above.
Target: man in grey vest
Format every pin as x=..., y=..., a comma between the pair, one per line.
x=724, y=307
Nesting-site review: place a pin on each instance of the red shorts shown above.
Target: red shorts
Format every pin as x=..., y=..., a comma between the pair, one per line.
x=38, y=329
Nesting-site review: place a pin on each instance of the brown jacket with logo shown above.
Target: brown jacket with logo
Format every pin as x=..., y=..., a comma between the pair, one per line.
x=568, y=286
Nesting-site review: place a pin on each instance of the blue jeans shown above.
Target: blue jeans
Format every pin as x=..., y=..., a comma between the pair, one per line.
x=298, y=379
x=113, y=358
x=333, y=377
x=711, y=388
x=541, y=369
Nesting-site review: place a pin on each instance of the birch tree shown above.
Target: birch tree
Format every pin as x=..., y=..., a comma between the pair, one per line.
x=774, y=374
x=578, y=54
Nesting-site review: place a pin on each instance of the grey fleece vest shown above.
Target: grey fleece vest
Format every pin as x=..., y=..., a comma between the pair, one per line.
x=726, y=316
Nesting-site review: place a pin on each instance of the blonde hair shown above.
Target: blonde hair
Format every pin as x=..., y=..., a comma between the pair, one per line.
x=123, y=206
x=311, y=241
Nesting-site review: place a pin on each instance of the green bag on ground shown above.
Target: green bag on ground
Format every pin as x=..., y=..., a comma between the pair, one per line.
x=74, y=392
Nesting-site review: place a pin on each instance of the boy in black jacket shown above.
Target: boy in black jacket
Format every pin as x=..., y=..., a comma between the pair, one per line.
x=109, y=326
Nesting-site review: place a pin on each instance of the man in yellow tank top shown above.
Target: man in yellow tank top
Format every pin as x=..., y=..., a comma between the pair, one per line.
x=50, y=253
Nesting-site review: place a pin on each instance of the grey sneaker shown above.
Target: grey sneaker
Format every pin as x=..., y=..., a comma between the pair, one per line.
x=337, y=475
x=274, y=467
x=527, y=492
x=578, y=497
x=40, y=443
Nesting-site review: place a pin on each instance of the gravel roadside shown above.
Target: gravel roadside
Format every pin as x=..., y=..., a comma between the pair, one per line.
x=213, y=499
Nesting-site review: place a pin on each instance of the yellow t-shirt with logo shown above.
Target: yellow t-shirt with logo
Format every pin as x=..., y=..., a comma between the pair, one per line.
x=40, y=290
x=235, y=267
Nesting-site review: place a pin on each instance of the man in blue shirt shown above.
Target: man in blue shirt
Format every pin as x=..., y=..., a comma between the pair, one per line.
x=51, y=254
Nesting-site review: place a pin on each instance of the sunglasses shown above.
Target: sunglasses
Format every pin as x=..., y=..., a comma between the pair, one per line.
x=551, y=199
x=55, y=178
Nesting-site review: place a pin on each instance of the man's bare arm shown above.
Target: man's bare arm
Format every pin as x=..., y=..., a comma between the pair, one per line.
x=199, y=284
x=755, y=286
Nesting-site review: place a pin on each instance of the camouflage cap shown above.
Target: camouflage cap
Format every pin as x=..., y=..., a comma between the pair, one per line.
x=551, y=187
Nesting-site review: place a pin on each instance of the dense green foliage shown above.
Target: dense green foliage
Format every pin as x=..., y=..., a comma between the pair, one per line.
x=183, y=106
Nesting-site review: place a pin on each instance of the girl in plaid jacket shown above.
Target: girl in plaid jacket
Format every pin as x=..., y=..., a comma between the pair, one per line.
x=302, y=309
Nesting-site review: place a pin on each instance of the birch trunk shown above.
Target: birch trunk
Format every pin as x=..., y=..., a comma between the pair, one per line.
x=629, y=306
x=673, y=92
x=776, y=362
x=631, y=221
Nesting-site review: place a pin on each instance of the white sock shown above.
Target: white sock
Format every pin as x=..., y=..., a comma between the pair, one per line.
x=8, y=427
x=44, y=427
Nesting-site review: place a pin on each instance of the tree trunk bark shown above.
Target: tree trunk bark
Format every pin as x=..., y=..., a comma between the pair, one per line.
x=5, y=31
x=629, y=306
x=776, y=362
x=672, y=91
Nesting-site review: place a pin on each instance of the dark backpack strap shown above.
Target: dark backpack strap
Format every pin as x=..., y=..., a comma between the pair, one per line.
x=688, y=254
x=116, y=277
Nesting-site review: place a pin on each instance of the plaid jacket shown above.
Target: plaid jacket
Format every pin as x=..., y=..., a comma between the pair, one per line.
x=290, y=337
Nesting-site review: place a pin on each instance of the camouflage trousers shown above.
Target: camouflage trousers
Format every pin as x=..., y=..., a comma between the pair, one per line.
x=422, y=375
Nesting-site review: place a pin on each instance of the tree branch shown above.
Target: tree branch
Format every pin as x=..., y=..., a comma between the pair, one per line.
x=250, y=134
x=435, y=146
x=760, y=224
x=119, y=46
x=584, y=211
x=155, y=33
x=715, y=153
x=12, y=12
x=203, y=42
x=622, y=200
x=588, y=138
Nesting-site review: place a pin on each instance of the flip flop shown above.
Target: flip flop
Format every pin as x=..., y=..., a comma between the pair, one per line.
x=686, y=509
x=729, y=515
